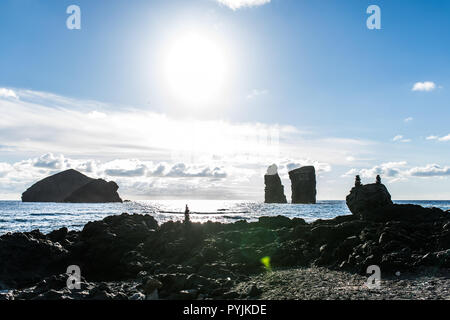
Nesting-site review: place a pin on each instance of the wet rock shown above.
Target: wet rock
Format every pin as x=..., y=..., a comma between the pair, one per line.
x=151, y=287
x=58, y=235
x=277, y=222
x=190, y=294
x=107, y=247
x=407, y=213
x=137, y=296
x=26, y=258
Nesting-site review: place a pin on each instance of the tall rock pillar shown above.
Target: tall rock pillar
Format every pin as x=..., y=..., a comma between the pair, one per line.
x=274, y=190
x=303, y=185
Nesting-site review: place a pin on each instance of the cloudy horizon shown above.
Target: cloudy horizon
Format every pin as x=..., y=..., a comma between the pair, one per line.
x=166, y=157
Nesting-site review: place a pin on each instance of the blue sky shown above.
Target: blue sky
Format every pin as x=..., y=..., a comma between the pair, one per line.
x=338, y=95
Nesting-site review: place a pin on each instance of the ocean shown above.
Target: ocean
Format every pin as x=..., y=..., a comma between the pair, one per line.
x=16, y=216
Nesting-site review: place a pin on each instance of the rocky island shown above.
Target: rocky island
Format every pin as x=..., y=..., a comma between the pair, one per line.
x=133, y=257
x=72, y=186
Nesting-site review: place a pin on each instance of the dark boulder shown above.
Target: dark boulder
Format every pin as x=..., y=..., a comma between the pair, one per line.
x=303, y=185
x=96, y=191
x=106, y=247
x=405, y=212
x=26, y=258
x=55, y=188
x=365, y=198
x=276, y=222
x=58, y=235
x=373, y=202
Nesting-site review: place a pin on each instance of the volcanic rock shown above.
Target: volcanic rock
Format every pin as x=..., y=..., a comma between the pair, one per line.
x=274, y=190
x=365, y=198
x=72, y=186
x=303, y=184
x=27, y=257
x=96, y=191
x=56, y=188
x=136, y=256
x=107, y=247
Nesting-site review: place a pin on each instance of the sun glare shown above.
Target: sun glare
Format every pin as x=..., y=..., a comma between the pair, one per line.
x=195, y=69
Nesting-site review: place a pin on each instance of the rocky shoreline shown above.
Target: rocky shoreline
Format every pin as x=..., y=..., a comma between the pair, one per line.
x=130, y=256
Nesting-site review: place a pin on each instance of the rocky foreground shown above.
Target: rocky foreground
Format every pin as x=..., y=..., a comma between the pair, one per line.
x=130, y=256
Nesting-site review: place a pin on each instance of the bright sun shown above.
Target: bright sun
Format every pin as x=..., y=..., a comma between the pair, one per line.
x=195, y=69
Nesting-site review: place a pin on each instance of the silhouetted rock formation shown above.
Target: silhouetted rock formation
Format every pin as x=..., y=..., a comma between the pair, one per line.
x=373, y=202
x=274, y=190
x=71, y=186
x=96, y=191
x=55, y=188
x=364, y=198
x=303, y=185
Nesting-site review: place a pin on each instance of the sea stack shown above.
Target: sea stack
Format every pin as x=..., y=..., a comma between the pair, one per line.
x=303, y=185
x=72, y=186
x=365, y=198
x=274, y=190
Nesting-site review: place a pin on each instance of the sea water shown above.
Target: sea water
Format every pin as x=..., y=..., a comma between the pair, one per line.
x=16, y=216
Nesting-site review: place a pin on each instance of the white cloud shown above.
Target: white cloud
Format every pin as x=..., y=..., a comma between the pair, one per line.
x=444, y=138
x=409, y=119
x=50, y=161
x=424, y=86
x=387, y=169
x=319, y=166
x=431, y=170
x=256, y=93
x=96, y=115
x=238, y=4
x=5, y=168
x=399, y=171
x=8, y=93
x=41, y=122
x=138, y=148
x=127, y=173
x=400, y=138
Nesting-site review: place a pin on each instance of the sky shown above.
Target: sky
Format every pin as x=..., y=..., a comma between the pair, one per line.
x=194, y=99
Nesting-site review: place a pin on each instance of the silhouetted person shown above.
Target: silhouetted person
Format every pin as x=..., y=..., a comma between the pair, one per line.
x=378, y=179
x=187, y=220
x=358, y=181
